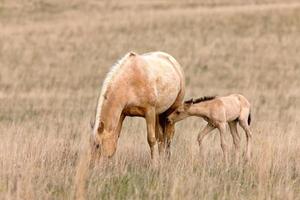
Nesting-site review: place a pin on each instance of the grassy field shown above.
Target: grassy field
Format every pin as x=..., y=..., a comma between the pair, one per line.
x=54, y=55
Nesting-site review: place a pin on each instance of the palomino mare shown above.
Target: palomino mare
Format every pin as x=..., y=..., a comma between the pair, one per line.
x=151, y=86
x=218, y=111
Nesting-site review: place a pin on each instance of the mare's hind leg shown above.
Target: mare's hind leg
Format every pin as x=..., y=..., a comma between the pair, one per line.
x=244, y=124
x=169, y=134
x=208, y=128
x=150, y=120
x=236, y=139
x=159, y=133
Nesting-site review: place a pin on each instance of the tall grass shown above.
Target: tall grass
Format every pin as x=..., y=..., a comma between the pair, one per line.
x=55, y=54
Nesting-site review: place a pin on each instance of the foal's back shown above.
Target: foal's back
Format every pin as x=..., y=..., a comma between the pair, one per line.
x=233, y=105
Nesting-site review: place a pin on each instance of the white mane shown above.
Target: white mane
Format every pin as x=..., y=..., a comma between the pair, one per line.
x=108, y=79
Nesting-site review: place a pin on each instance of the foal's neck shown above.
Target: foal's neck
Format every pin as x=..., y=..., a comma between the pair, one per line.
x=199, y=109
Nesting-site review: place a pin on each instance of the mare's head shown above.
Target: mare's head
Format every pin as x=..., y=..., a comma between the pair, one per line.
x=103, y=142
x=181, y=112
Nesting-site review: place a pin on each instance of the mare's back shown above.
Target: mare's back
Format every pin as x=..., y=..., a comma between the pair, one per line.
x=164, y=77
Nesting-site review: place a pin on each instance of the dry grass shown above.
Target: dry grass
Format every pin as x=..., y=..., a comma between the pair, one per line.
x=54, y=55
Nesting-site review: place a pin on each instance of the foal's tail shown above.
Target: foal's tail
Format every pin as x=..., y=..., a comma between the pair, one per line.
x=249, y=118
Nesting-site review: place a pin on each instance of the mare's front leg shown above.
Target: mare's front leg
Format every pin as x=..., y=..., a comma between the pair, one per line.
x=119, y=127
x=224, y=146
x=150, y=120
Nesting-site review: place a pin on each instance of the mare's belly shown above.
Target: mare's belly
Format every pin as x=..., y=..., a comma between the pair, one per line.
x=166, y=100
x=167, y=91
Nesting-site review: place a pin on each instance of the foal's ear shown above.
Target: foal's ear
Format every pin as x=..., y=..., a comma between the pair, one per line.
x=189, y=102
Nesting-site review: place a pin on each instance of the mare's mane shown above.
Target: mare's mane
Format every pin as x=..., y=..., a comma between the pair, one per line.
x=108, y=79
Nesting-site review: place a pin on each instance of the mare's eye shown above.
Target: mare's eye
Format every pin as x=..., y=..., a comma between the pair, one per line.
x=97, y=146
x=177, y=112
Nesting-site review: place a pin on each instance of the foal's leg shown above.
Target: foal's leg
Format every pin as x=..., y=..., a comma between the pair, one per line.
x=224, y=146
x=150, y=120
x=208, y=128
x=236, y=139
x=244, y=124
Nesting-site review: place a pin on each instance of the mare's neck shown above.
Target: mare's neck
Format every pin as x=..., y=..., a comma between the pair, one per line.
x=110, y=107
x=111, y=111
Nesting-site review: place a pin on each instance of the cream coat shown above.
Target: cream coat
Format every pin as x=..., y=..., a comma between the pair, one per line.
x=150, y=86
x=218, y=111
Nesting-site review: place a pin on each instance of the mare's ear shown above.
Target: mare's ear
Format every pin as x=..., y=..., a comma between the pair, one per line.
x=91, y=124
x=101, y=127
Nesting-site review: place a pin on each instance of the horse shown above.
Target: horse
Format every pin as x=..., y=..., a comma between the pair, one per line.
x=151, y=86
x=218, y=111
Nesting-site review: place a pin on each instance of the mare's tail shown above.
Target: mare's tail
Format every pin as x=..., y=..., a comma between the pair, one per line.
x=249, y=119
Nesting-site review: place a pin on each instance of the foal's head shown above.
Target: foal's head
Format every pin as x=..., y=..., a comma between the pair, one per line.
x=181, y=112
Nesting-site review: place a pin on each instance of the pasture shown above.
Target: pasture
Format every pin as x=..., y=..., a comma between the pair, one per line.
x=54, y=55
